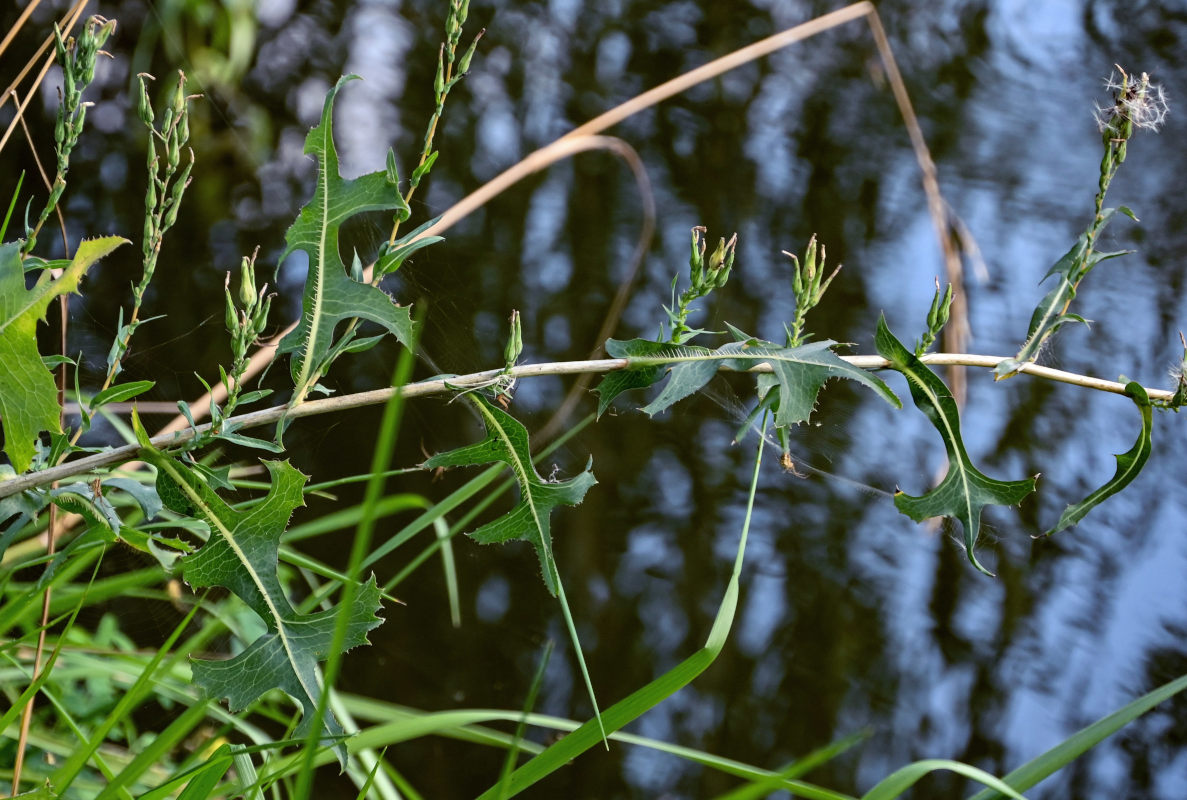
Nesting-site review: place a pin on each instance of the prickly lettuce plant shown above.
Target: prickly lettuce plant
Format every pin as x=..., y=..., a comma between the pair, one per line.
x=331, y=295
x=1136, y=104
x=187, y=515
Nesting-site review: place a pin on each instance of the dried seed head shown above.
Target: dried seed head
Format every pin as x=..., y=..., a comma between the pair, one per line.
x=1137, y=103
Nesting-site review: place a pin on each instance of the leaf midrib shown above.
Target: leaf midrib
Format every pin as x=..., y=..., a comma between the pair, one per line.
x=39, y=292
x=198, y=501
x=710, y=355
x=315, y=270
x=962, y=472
x=524, y=482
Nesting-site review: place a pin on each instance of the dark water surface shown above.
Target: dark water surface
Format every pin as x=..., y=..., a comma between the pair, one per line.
x=852, y=617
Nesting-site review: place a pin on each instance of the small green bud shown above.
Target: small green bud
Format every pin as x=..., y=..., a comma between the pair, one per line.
x=179, y=95
x=722, y=261
x=696, y=261
x=810, y=264
x=261, y=318
x=797, y=281
x=439, y=81
x=514, y=341
x=229, y=315
x=247, y=282
x=143, y=104
x=172, y=150
x=182, y=182
x=104, y=32
x=167, y=120
x=170, y=216
x=80, y=120
x=464, y=65
x=718, y=256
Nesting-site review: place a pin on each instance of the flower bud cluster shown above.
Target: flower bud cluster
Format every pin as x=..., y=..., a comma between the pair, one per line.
x=246, y=313
x=168, y=172
x=937, y=318
x=706, y=273
x=809, y=285
x=77, y=59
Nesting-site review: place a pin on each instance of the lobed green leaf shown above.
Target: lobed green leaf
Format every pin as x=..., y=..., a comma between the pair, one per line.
x=507, y=442
x=965, y=490
x=1129, y=464
x=331, y=295
x=799, y=372
x=242, y=555
x=28, y=395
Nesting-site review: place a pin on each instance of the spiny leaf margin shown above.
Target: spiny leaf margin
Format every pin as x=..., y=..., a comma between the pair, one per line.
x=331, y=295
x=242, y=555
x=28, y=395
x=965, y=490
x=1129, y=464
x=800, y=372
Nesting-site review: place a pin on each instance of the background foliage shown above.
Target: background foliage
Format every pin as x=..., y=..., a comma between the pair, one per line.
x=851, y=616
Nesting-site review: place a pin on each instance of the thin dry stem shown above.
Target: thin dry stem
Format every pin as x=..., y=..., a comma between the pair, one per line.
x=53, y=530
x=68, y=23
x=16, y=27
x=957, y=332
x=477, y=380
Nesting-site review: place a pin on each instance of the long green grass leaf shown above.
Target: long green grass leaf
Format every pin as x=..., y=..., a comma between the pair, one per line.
x=528, y=705
x=899, y=781
x=72, y=766
x=1067, y=751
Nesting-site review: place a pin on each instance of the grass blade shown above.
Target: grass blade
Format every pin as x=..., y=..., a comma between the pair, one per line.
x=654, y=693
x=1035, y=770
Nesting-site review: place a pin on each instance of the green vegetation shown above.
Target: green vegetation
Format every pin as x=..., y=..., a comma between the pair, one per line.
x=229, y=540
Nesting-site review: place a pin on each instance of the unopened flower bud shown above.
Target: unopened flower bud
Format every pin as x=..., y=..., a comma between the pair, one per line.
x=247, y=283
x=143, y=105
x=464, y=65
x=514, y=341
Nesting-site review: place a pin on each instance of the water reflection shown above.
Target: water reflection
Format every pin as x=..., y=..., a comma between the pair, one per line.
x=851, y=615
